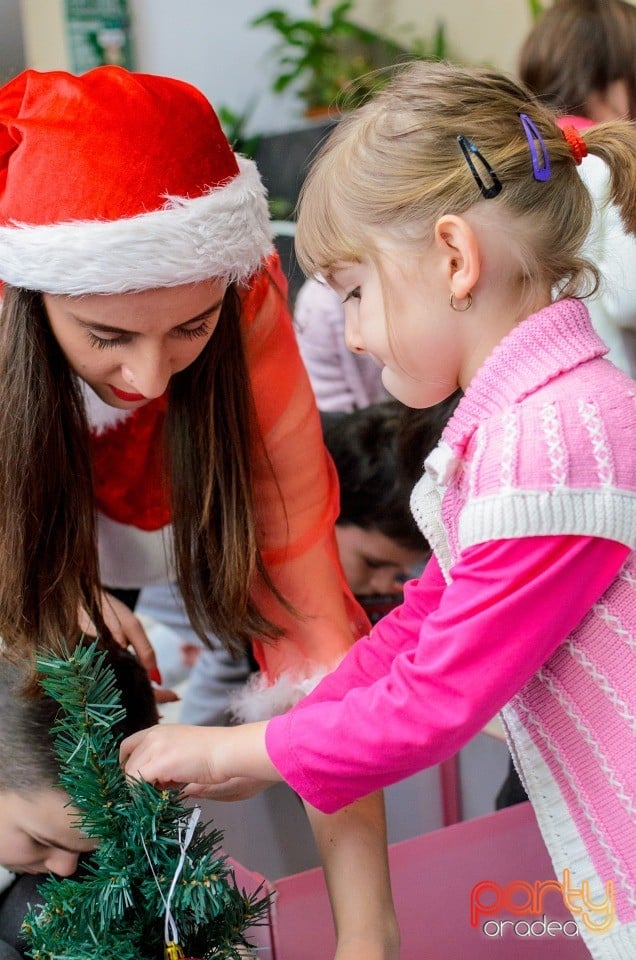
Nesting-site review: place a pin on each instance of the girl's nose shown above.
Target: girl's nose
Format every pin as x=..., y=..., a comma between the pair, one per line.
x=148, y=374
x=352, y=338
x=61, y=862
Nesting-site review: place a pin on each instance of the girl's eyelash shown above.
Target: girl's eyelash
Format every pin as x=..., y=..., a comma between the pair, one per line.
x=353, y=295
x=187, y=334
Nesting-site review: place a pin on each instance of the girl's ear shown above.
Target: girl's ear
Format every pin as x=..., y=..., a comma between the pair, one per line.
x=457, y=242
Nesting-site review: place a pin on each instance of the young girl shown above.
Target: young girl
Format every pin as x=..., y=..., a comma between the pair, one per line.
x=446, y=212
x=156, y=423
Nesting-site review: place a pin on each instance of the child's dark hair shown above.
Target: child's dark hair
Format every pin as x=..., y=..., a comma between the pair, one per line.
x=27, y=755
x=419, y=432
x=374, y=491
x=578, y=48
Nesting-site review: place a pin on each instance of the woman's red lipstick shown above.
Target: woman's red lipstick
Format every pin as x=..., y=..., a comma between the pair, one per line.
x=122, y=395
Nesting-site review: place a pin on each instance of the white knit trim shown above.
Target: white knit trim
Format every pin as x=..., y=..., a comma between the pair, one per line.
x=555, y=444
x=427, y=513
x=569, y=706
x=607, y=513
x=561, y=835
x=510, y=440
x=478, y=457
x=591, y=418
x=259, y=699
x=622, y=707
x=224, y=234
x=615, y=623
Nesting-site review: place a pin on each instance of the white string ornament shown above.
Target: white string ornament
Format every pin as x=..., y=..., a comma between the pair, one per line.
x=172, y=948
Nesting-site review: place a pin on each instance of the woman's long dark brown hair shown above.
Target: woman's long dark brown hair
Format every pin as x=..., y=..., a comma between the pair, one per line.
x=48, y=552
x=211, y=433
x=48, y=542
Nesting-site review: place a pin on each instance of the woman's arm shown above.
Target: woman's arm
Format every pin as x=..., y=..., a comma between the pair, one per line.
x=353, y=850
x=296, y=503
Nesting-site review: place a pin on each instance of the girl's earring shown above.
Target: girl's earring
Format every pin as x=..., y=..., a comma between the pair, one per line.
x=467, y=305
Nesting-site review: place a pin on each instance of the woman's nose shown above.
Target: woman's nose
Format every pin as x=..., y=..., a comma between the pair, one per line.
x=149, y=373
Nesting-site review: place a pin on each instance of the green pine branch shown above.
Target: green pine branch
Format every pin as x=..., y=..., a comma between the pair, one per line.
x=114, y=906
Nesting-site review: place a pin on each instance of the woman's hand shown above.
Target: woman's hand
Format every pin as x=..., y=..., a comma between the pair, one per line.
x=127, y=631
x=221, y=763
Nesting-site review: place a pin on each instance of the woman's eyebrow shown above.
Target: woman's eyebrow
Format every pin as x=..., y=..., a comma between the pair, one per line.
x=107, y=328
x=50, y=842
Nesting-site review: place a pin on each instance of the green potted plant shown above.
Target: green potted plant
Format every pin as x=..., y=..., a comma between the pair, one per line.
x=333, y=58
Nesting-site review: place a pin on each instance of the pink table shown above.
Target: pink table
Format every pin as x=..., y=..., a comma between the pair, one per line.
x=434, y=878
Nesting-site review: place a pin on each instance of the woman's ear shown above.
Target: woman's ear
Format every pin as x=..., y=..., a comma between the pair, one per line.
x=457, y=242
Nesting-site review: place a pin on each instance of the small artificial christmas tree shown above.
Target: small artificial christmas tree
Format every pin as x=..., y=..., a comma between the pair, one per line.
x=157, y=885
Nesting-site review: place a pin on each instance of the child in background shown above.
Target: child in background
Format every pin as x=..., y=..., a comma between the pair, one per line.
x=378, y=539
x=37, y=830
x=580, y=57
x=447, y=211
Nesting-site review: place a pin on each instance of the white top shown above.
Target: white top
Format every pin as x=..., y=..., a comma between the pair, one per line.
x=613, y=250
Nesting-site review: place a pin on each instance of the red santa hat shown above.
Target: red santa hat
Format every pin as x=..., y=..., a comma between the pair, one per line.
x=116, y=181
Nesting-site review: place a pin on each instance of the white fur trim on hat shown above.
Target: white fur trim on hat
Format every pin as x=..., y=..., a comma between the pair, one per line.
x=223, y=234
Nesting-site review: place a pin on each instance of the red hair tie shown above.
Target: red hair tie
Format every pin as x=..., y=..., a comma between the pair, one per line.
x=576, y=143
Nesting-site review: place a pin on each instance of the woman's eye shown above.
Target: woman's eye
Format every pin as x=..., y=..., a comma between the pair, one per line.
x=353, y=295
x=102, y=343
x=191, y=332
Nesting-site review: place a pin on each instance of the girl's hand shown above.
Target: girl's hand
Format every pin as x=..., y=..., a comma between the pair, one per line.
x=127, y=631
x=222, y=763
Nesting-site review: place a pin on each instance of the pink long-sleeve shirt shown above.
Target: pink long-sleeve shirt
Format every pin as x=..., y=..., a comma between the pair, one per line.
x=433, y=672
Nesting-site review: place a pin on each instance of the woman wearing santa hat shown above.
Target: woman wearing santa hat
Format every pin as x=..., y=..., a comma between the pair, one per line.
x=156, y=423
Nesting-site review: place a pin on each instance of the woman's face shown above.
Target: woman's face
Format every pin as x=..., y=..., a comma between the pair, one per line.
x=38, y=833
x=127, y=346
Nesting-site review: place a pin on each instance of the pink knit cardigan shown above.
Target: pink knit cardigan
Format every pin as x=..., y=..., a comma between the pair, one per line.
x=544, y=442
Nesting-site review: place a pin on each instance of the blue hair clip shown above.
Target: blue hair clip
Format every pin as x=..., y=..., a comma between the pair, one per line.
x=468, y=147
x=541, y=169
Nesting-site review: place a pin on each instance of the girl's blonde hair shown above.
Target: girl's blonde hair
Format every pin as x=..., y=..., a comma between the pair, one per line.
x=394, y=166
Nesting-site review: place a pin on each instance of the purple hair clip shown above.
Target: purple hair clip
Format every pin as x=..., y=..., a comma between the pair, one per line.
x=541, y=169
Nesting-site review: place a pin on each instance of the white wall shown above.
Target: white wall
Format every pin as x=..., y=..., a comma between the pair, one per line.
x=210, y=42
x=11, y=47
x=213, y=46
x=230, y=61
x=487, y=32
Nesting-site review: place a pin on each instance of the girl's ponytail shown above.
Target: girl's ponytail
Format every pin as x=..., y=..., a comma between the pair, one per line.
x=615, y=143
